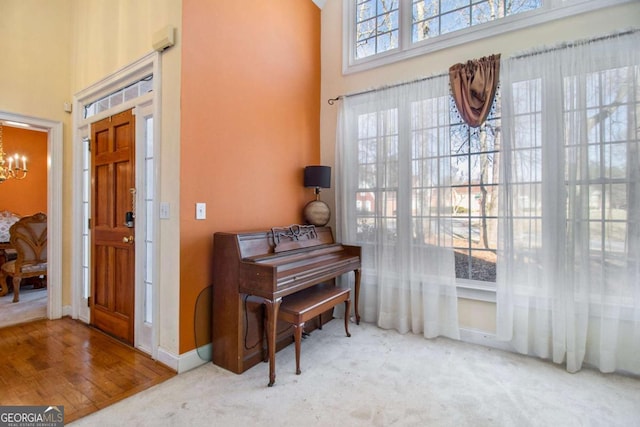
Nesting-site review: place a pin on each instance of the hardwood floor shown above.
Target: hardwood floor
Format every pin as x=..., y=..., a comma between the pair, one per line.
x=65, y=362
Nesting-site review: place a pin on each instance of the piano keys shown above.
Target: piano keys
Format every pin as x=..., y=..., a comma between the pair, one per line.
x=253, y=271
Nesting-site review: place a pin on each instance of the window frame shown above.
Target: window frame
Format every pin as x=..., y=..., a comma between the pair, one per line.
x=467, y=287
x=550, y=10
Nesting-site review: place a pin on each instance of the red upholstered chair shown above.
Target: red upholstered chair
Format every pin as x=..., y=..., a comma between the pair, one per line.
x=28, y=237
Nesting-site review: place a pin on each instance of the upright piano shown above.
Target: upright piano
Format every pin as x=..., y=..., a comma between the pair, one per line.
x=253, y=272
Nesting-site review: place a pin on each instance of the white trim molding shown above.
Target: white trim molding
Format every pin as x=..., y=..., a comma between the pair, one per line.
x=186, y=361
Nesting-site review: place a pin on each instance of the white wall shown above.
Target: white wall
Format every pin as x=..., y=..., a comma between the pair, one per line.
x=34, y=81
x=34, y=56
x=473, y=315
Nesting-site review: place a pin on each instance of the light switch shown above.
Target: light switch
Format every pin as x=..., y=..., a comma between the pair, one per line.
x=201, y=211
x=164, y=210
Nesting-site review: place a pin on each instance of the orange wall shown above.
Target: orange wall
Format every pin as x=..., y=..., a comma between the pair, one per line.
x=250, y=122
x=28, y=196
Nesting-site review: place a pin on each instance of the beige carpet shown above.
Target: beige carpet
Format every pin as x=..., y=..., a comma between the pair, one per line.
x=32, y=306
x=382, y=378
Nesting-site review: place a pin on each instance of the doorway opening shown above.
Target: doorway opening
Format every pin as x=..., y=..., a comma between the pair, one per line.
x=53, y=130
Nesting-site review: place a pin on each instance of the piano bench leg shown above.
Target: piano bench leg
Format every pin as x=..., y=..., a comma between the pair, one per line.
x=297, y=334
x=347, y=310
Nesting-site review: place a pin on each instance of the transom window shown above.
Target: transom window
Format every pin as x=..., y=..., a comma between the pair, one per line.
x=118, y=97
x=384, y=31
x=377, y=26
x=431, y=18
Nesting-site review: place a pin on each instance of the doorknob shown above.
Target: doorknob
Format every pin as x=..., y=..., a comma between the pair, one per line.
x=126, y=239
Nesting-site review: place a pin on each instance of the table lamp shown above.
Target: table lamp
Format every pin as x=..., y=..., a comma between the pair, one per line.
x=317, y=212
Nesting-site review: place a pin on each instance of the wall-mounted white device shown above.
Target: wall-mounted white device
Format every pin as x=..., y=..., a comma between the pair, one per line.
x=164, y=38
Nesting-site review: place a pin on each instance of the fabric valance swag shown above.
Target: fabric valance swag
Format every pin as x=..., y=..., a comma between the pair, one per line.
x=473, y=85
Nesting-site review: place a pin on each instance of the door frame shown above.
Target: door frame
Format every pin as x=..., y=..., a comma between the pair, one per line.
x=149, y=64
x=54, y=206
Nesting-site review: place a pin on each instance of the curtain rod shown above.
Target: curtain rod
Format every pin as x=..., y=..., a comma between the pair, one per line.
x=332, y=101
x=574, y=44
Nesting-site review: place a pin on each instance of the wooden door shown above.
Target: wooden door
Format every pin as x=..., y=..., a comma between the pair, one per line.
x=113, y=248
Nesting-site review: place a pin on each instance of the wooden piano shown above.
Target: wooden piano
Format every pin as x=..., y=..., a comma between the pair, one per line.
x=253, y=272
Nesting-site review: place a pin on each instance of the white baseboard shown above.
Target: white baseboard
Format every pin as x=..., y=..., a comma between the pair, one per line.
x=474, y=336
x=67, y=310
x=167, y=358
x=187, y=361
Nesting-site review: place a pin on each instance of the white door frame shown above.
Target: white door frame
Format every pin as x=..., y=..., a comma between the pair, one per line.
x=54, y=206
x=149, y=64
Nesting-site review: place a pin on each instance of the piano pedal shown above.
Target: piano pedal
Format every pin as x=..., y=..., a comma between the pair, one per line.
x=305, y=334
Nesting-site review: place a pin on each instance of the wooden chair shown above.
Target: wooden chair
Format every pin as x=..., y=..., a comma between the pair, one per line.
x=28, y=237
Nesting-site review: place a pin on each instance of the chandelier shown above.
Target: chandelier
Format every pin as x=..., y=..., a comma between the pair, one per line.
x=11, y=167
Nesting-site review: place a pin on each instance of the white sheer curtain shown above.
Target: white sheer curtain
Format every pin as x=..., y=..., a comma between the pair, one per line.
x=393, y=199
x=568, y=283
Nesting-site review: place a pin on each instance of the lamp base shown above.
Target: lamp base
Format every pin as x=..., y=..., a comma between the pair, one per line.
x=317, y=213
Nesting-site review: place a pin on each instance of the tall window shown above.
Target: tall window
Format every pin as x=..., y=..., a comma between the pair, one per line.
x=436, y=138
x=394, y=162
x=543, y=201
x=597, y=169
x=474, y=179
x=568, y=283
x=376, y=198
x=607, y=170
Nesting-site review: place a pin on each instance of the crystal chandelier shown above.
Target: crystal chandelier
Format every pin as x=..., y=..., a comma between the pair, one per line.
x=11, y=166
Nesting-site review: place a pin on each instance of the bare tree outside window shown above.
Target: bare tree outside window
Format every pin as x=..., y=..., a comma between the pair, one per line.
x=432, y=18
x=376, y=26
x=475, y=179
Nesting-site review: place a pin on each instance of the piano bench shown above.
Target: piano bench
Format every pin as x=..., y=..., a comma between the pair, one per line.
x=309, y=303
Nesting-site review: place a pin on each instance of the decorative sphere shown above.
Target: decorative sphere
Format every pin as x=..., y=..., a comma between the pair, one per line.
x=317, y=213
